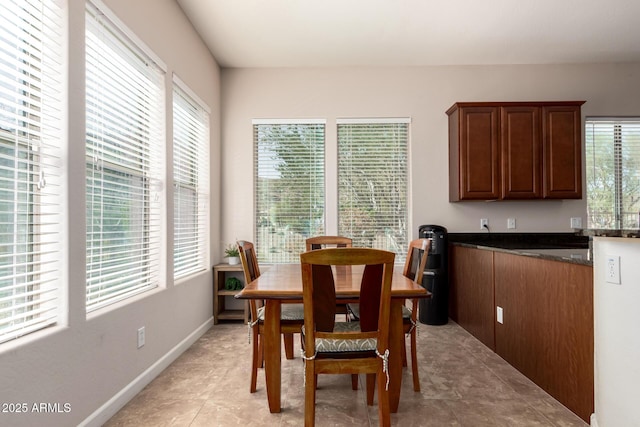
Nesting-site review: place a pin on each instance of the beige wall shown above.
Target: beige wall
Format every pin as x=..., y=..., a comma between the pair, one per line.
x=617, y=342
x=423, y=94
x=93, y=363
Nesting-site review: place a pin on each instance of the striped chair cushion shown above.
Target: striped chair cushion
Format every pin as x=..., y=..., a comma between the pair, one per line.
x=287, y=312
x=355, y=310
x=325, y=345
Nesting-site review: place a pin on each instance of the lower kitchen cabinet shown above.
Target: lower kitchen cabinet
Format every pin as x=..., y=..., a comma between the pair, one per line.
x=471, y=292
x=547, y=332
x=547, y=329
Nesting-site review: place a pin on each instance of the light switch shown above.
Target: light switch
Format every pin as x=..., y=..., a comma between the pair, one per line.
x=141, y=337
x=499, y=315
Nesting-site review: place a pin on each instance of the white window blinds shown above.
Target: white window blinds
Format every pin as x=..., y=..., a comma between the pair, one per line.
x=30, y=147
x=124, y=146
x=190, y=183
x=613, y=172
x=289, y=187
x=373, y=183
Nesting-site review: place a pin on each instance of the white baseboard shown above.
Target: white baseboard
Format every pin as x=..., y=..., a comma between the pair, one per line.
x=593, y=420
x=117, y=402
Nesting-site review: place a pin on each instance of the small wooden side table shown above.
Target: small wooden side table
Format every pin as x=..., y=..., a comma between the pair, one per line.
x=220, y=294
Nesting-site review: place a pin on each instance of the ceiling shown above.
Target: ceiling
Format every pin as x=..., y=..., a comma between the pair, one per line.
x=338, y=33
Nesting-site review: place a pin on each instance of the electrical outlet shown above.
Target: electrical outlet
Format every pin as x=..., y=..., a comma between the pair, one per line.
x=613, y=269
x=500, y=315
x=484, y=223
x=141, y=337
x=576, y=222
x=511, y=223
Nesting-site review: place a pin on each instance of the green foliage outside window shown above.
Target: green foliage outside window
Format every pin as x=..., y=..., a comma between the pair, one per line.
x=613, y=174
x=290, y=189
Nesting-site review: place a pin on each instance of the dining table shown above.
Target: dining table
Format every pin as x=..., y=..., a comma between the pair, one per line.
x=282, y=283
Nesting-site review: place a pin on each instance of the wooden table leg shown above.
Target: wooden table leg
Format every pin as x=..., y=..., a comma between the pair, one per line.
x=272, y=353
x=396, y=341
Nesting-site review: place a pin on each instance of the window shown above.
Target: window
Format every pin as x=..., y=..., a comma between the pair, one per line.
x=190, y=183
x=289, y=187
x=613, y=172
x=30, y=150
x=373, y=183
x=124, y=146
x=372, y=190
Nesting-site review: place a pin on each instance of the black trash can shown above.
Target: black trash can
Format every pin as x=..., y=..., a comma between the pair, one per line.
x=435, y=310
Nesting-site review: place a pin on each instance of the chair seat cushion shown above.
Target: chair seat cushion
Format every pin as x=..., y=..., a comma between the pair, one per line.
x=326, y=345
x=355, y=310
x=287, y=312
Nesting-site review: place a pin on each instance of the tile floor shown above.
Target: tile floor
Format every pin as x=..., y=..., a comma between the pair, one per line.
x=463, y=384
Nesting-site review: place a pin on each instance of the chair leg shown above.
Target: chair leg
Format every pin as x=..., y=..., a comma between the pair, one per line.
x=384, y=410
x=404, y=354
x=255, y=355
x=354, y=381
x=261, y=351
x=311, y=382
x=414, y=361
x=288, y=346
x=371, y=388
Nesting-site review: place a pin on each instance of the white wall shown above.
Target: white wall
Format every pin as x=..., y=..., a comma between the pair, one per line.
x=424, y=94
x=617, y=341
x=92, y=363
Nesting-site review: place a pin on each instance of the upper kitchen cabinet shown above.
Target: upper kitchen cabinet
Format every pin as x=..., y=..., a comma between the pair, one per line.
x=562, y=150
x=515, y=150
x=474, y=155
x=521, y=152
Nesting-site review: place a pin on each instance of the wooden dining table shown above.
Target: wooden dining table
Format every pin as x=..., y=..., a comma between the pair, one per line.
x=282, y=283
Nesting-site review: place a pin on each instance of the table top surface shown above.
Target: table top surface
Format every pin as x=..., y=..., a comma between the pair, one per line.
x=284, y=281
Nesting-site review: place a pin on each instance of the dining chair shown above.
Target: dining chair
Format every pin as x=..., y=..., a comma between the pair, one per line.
x=414, y=269
x=323, y=242
x=291, y=315
x=320, y=242
x=358, y=347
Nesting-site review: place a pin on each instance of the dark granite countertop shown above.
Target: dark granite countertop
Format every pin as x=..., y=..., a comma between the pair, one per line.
x=574, y=256
x=630, y=234
x=564, y=247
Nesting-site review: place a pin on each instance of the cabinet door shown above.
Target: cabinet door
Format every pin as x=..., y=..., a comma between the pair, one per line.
x=479, y=155
x=521, y=152
x=471, y=292
x=562, y=170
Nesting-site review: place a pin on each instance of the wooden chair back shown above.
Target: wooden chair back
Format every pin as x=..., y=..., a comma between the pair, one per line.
x=251, y=271
x=320, y=242
x=249, y=261
x=319, y=293
x=416, y=259
x=323, y=242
